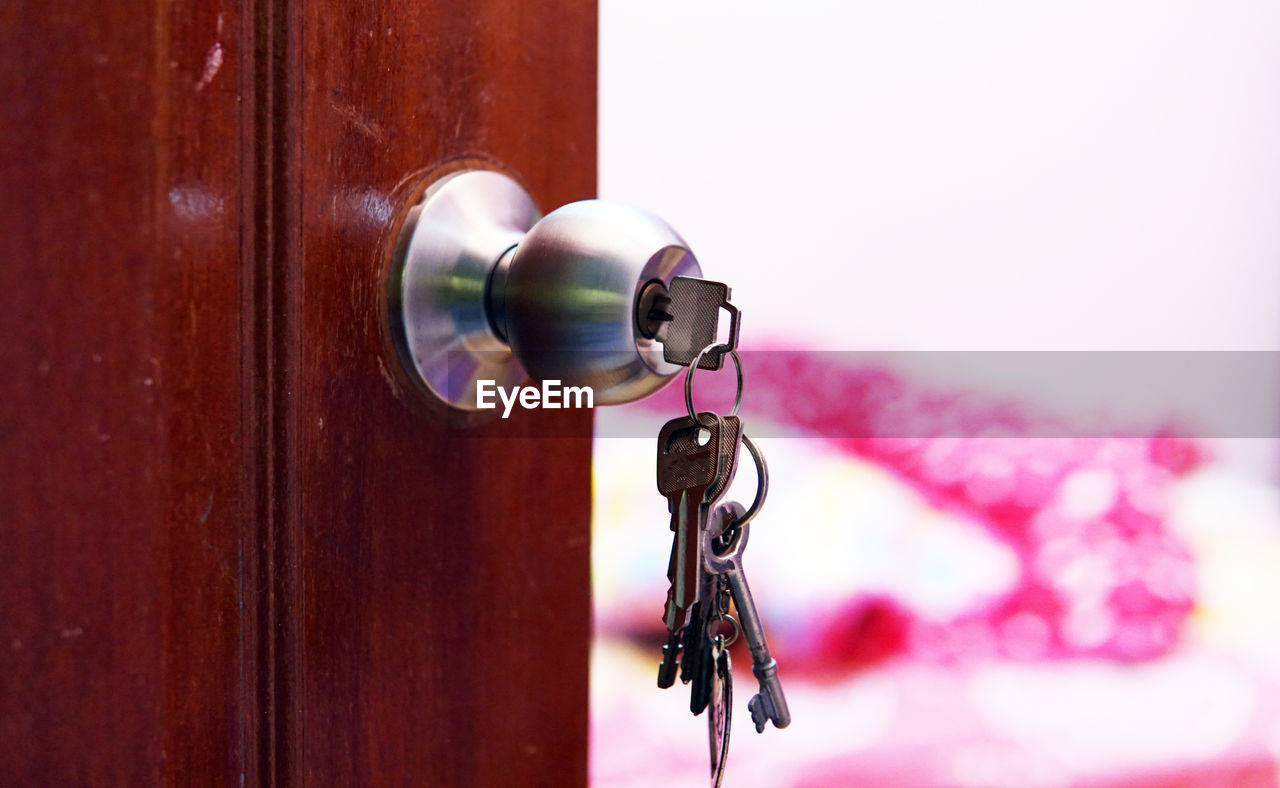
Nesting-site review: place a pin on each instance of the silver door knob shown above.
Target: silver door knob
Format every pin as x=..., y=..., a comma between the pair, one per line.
x=482, y=288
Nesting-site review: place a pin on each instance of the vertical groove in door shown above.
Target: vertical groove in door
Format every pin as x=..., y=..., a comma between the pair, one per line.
x=271, y=292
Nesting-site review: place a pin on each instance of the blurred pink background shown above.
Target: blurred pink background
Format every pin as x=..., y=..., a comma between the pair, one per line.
x=938, y=176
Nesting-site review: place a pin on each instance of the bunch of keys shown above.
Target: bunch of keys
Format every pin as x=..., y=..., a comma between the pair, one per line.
x=697, y=461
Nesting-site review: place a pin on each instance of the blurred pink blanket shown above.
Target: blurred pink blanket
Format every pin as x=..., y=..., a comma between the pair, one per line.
x=1100, y=574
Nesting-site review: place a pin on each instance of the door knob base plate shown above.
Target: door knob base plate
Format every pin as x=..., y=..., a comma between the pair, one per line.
x=441, y=272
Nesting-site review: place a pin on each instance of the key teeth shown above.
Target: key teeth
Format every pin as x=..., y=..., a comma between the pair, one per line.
x=758, y=715
x=764, y=710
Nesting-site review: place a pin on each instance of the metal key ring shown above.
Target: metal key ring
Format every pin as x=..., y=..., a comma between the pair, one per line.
x=713, y=623
x=762, y=485
x=688, y=380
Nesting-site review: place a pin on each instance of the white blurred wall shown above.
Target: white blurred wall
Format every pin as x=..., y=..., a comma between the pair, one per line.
x=979, y=175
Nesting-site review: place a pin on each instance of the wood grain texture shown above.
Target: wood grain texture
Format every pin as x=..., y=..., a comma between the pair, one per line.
x=444, y=576
x=232, y=550
x=120, y=420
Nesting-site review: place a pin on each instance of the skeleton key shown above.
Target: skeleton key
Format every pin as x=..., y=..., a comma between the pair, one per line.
x=691, y=320
x=770, y=703
x=696, y=463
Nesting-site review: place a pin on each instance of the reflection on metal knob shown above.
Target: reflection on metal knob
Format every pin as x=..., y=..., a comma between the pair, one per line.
x=482, y=289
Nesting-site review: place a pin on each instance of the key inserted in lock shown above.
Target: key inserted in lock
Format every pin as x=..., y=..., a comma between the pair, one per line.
x=593, y=294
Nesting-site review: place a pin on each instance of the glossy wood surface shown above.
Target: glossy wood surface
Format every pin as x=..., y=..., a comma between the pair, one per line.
x=444, y=575
x=231, y=549
x=120, y=421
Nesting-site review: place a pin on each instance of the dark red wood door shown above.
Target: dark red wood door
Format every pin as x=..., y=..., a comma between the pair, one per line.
x=231, y=546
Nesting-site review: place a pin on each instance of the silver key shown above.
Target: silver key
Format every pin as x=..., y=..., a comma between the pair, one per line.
x=696, y=464
x=688, y=466
x=697, y=665
x=726, y=559
x=727, y=461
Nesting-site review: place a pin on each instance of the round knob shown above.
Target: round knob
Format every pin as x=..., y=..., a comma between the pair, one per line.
x=482, y=289
x=570, y=306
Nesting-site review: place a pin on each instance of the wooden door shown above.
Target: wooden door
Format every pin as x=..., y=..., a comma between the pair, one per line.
x=232, y=548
